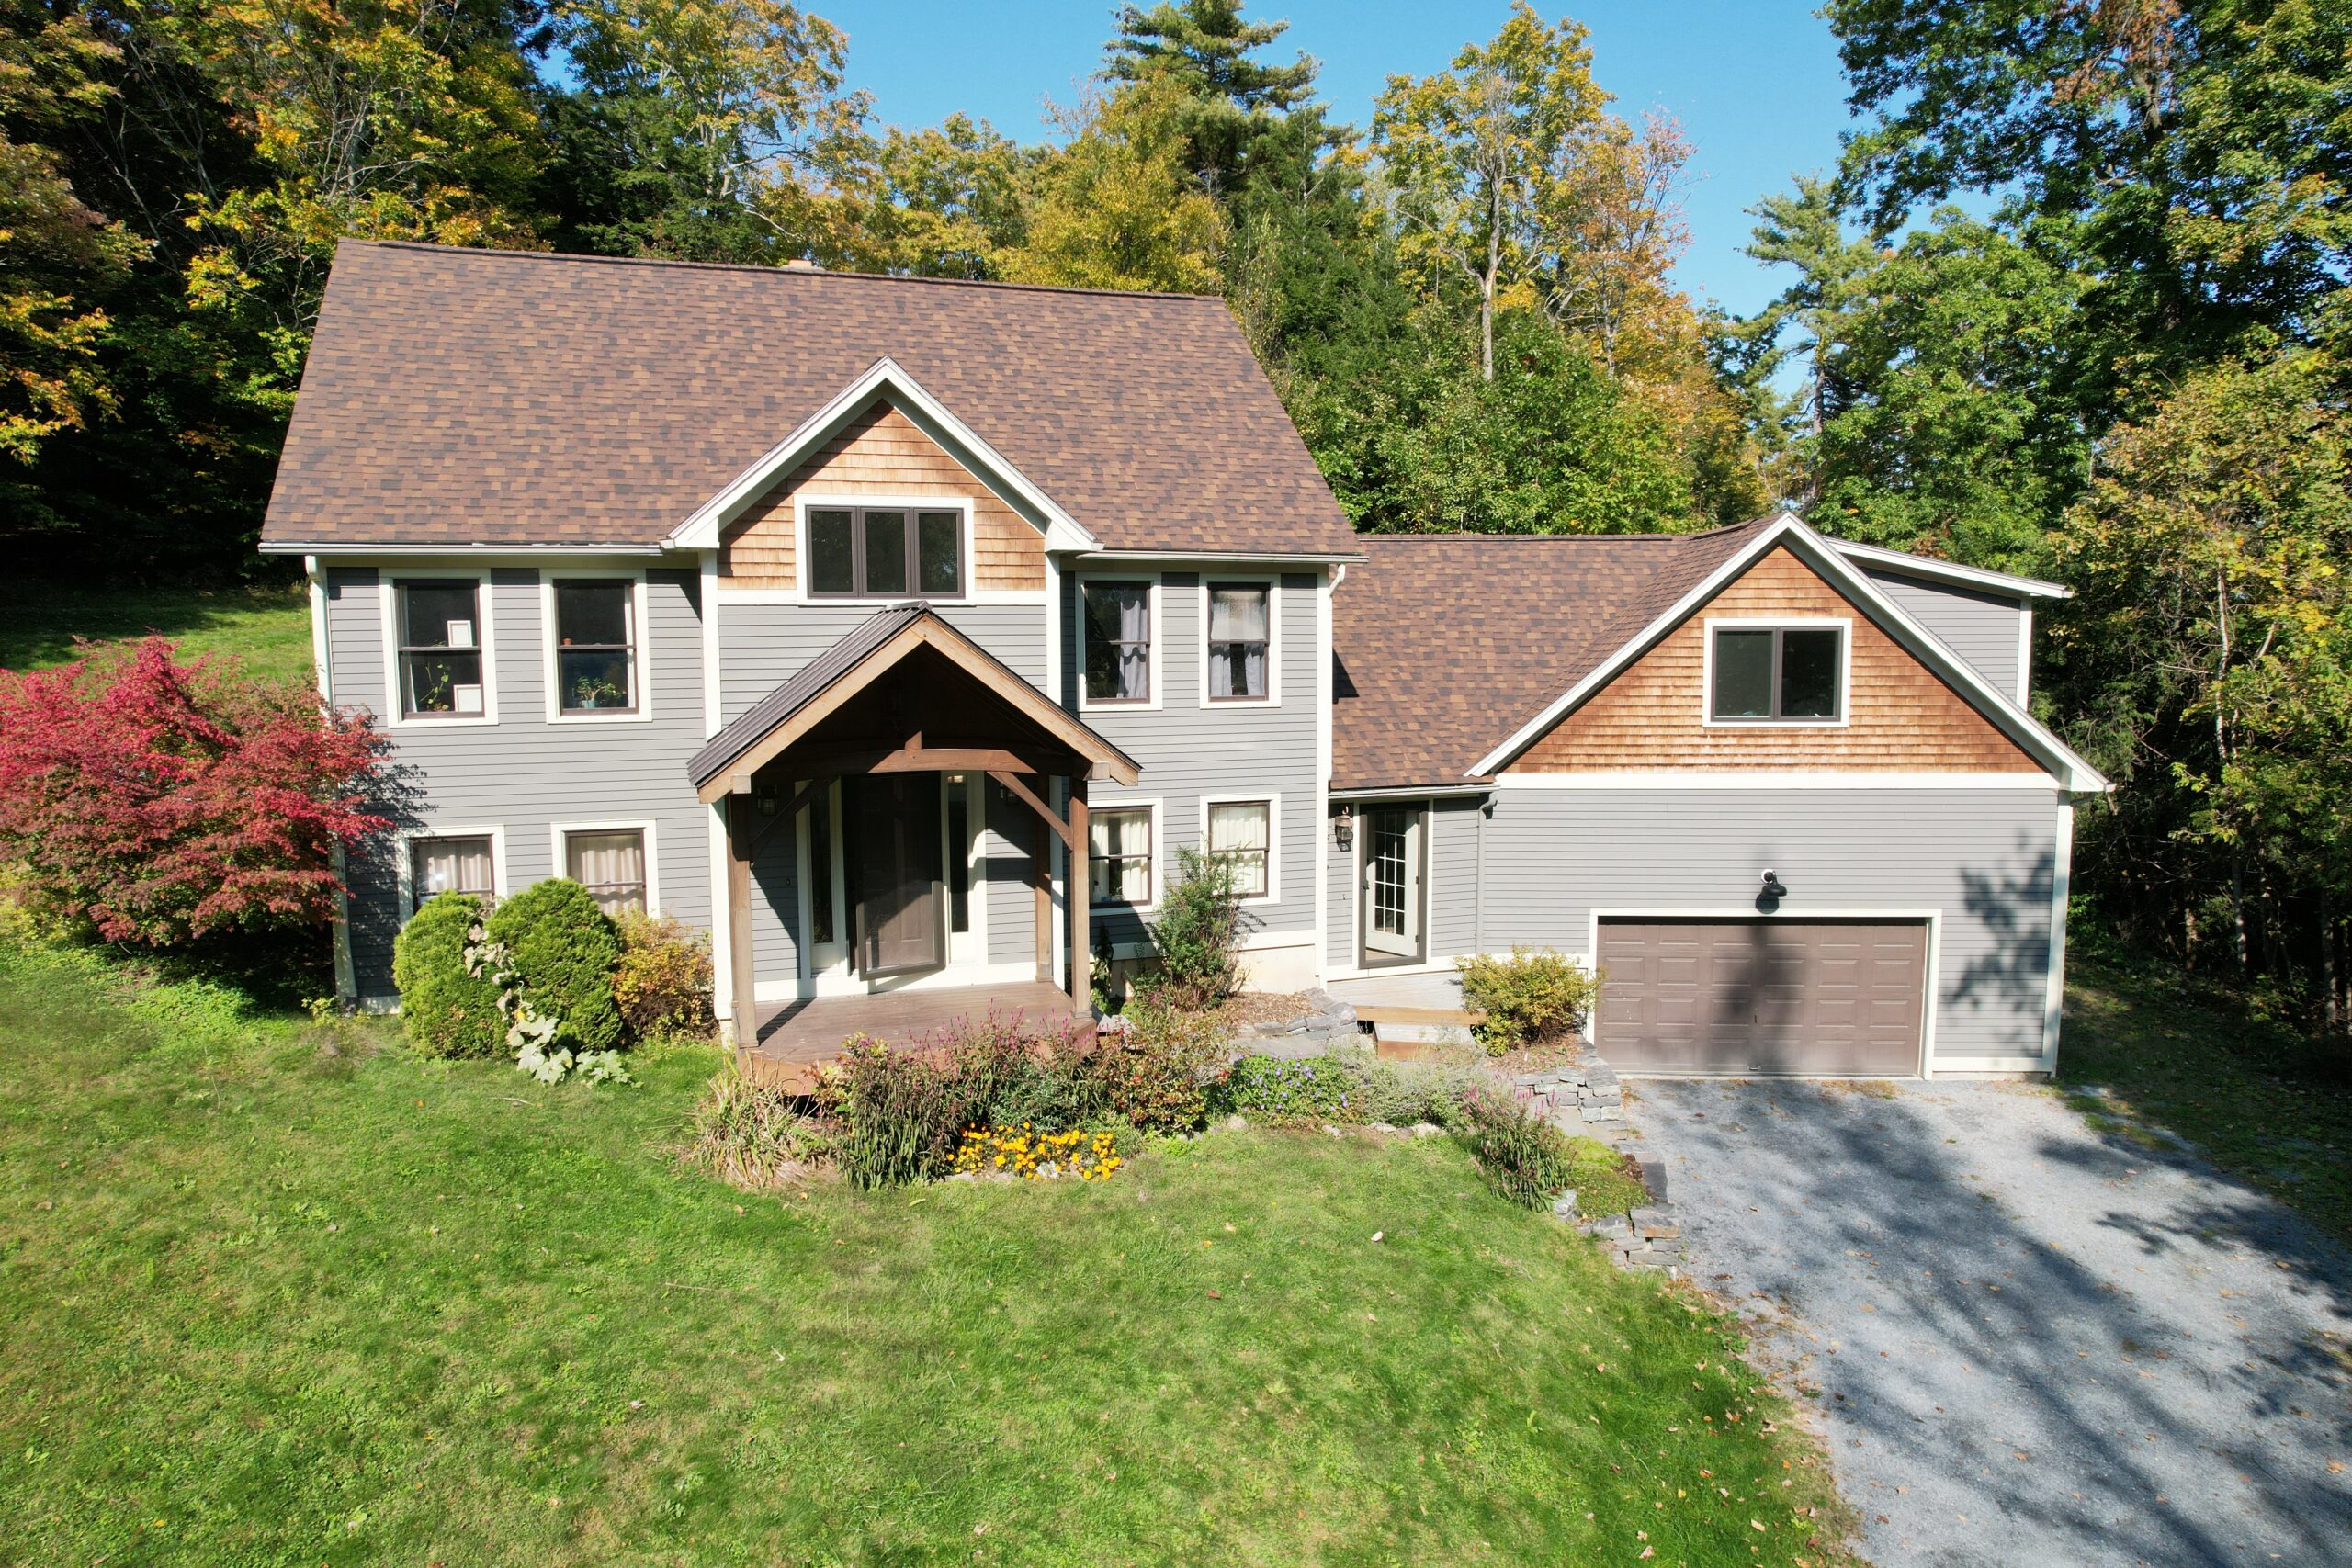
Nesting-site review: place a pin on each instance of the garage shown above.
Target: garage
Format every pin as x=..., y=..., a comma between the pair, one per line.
x=1713, y=996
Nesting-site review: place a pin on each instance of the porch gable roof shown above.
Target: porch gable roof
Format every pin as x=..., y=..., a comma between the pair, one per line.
x=870, y=650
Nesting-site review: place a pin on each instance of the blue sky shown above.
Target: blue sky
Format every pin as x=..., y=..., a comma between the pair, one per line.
x=1755, y=82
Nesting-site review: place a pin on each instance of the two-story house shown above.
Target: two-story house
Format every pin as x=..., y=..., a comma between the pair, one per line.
x=900, y=632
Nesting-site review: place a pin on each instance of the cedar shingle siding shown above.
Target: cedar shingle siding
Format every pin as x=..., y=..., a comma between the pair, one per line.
x=1901, y=718
x=882, y=454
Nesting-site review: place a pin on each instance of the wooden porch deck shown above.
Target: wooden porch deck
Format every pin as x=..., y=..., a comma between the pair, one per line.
x=797, y=1037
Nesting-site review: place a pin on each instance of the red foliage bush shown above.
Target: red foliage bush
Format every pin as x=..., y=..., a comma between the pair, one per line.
x=165, y=801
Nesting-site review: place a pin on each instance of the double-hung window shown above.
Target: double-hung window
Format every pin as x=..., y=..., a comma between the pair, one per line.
x=885, y=552
x=1118, y=856
x=1240, y=637
x=440, y=648
x=596, y=654
x=1240, y=833
x=610, y=863
x=1777, y=674
x=1118, y=642
x=452, y=865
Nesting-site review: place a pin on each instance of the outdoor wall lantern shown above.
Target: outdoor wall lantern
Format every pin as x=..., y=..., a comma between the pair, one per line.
x=1772, y=887
x=770, y=796
x=1344, y=827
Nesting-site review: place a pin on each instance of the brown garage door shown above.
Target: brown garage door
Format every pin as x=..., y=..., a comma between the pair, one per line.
x=1763, y=995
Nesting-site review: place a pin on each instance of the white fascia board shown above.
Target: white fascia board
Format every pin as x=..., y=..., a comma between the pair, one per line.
x=1999, y=582
x=1414, y=792
x=477, y=549
x=884, y=377
x=1822, y=555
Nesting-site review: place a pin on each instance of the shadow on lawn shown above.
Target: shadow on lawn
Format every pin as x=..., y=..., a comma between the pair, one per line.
x=1967, y=1293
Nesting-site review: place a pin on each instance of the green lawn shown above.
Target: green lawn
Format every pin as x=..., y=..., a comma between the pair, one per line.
x=2253, y=1097
x=278, y=1292
x=266, y=626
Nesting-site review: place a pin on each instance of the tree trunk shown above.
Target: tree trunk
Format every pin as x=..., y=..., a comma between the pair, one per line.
x=2331, y=1008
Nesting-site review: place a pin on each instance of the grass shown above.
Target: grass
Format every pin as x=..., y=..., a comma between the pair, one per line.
x=278, y=1292
x=2254, y=1097
x=1600, y=1180
x=267, y=626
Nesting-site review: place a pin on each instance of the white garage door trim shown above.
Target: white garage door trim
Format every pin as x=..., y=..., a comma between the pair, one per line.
x=1933, y=919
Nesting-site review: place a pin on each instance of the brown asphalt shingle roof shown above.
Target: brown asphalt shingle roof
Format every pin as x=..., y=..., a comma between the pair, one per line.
x=463, y=396
x=1447, y=643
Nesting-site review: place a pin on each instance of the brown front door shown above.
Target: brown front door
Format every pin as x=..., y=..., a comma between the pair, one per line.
x=1771, y=996
x=894, y=852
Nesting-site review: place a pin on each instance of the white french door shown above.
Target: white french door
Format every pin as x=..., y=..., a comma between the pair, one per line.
x=1392, y=883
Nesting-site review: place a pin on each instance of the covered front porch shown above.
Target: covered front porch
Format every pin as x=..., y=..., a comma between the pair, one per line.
x=905, y=830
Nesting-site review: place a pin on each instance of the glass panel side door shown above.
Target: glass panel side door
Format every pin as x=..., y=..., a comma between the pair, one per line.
x=1392, y=883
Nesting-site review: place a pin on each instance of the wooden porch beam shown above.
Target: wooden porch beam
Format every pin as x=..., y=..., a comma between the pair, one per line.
x=1045, y=813
x=914, y=760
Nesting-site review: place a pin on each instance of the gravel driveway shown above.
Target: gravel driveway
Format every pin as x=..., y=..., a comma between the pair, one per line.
x=2034, y=1345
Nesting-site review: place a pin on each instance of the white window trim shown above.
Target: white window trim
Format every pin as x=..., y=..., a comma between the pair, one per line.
x=1211, y=578
x=1152, y=596
x=561, y=862
x=641, y=673
x=1842, y=625
x=830, y=501
x=1933, y=918
x=406, y=870
x=1153, y=804
x=1274, y=804
x=485, y=616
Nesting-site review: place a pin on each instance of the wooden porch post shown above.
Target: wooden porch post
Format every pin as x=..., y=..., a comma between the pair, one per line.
x=1081, y=903
x=1041, y=878
x=746, y=1013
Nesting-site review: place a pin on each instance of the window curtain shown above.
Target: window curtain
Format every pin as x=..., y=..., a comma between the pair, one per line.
x=452, y=865
x=1238, y=616
x=1119, y=846
x=1133, y=610
x=612, y=866
x=1239, y=833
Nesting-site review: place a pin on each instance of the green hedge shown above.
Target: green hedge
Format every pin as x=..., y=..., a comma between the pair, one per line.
x=444, y=1011
x=564, y=950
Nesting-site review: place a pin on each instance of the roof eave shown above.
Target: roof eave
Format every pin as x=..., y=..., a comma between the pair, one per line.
x=2069, y=769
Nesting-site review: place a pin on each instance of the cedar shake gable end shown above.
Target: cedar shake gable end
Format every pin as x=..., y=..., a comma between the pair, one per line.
x=1898, y=715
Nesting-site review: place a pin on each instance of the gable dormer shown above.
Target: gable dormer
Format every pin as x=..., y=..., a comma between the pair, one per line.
x=1778, y=670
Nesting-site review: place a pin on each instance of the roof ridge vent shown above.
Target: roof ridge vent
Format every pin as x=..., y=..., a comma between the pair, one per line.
x=801, y=264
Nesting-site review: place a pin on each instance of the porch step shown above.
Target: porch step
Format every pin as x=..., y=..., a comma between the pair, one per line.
x=1374, y=1013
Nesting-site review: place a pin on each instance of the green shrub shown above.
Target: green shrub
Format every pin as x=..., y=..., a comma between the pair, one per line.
x=1522, y=1156
x=1196, y=935
x=1157, y=1075
x=1403, y=1093
x=1295, y=1091
x=1534, y=996
x=755, y=1135
x=902, y=1115
x=445, y=1010
x=564, y=950
x=662, y=982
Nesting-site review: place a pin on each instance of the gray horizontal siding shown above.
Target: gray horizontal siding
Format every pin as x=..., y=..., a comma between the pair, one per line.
x=759, y=646
x=1983, y=628
x=1188, y=749
x=1981, y=858
x=524, y=774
